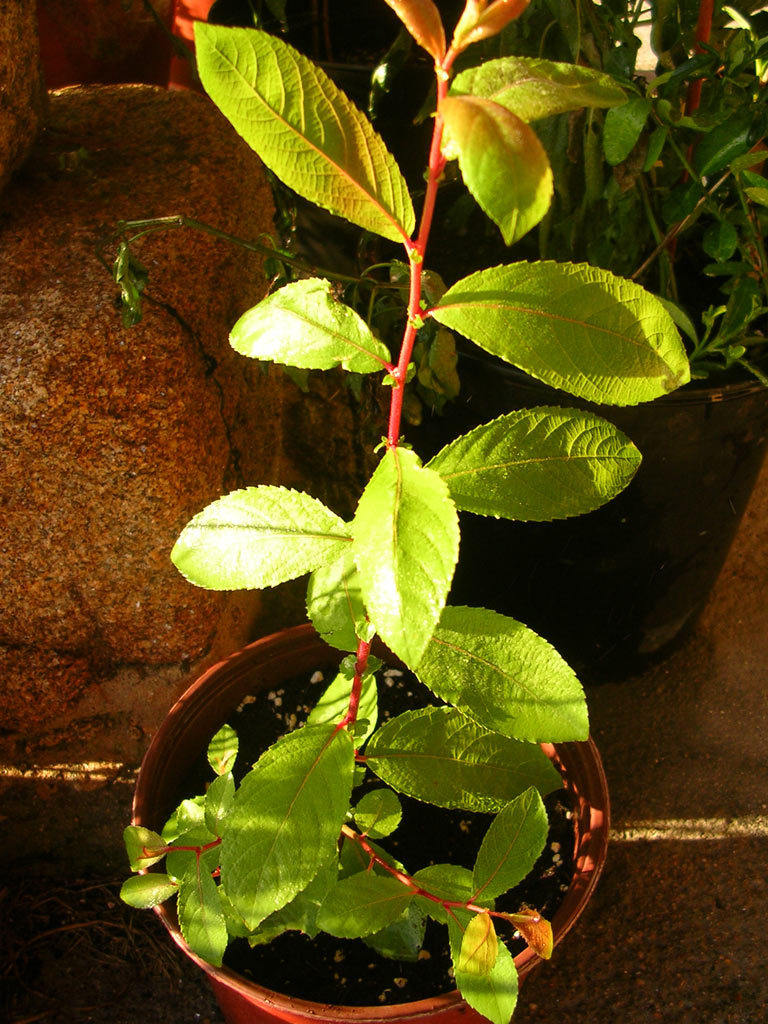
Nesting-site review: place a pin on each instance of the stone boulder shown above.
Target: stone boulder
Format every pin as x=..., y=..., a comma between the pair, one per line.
x=22, y=90
x=112, y=438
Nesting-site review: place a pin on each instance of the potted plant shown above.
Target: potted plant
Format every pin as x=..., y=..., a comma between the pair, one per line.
x=667, y=189
x=294, y=845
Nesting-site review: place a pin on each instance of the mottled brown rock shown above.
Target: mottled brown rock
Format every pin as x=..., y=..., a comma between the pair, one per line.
x=112, y=438
x=22, y=90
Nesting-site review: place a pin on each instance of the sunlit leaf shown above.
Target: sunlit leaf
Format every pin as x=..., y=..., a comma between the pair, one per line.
x=511, y=845
x=423, y=21
x=502, y=162
x=145, y=891
x=303, y=127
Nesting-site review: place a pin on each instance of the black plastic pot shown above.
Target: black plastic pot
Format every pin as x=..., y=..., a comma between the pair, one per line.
x=619, y=586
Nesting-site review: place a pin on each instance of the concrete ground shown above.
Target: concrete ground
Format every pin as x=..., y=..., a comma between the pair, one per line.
x=675, y=931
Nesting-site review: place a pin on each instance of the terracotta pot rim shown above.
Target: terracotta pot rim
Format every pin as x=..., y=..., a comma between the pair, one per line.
x=579, y=763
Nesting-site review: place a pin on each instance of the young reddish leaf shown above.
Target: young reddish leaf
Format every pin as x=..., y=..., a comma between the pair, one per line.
x=423, y=21
x=476, y=24
x=502, y=162
x=536, y=931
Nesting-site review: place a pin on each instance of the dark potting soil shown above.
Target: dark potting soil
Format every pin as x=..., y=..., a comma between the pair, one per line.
x=349, y=972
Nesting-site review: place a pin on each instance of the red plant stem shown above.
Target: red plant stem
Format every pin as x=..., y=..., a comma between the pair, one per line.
x=416, y=251
x=361, y=663
x=703, y=33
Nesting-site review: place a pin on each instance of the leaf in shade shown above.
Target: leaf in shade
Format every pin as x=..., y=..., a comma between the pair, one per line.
x=533, y=89
x=504, y=676
x=258, y=537
x=511, y=846
x=502, y=162
x=304, y=128
x=573, y=326
x=538, y=464
x=439, y=755
x=302, y=324
x=335, y=604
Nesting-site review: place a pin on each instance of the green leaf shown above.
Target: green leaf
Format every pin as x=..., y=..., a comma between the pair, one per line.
x=538, y=464
x=258, y=537
x=511, y=845
x=494, y=995
x=219, y=801
x=198, y=846
x=725, y=143
x=622, y=128
x=533, y=89
x=378, y=813
x=304, y=128
x=145, y=891
x=720, y=240
x=303, y=325
x=143, y=846
x=597, y=336
x=299, y=788
x=403, y=939
x=362, y=904
x=502, y=162
x=301, y=913
x=447, y=882
x=334, y=703
x=201, y=917
x=439, y=755
x=188, y=815
x=335, y=604
x=504, y=676
x=405, y=546
x=222, y=750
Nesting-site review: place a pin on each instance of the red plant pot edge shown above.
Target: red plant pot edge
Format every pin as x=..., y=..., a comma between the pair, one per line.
x=269, y=661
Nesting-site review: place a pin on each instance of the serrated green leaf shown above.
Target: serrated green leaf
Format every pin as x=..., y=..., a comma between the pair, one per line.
x=201, y=917
x=258, y=537
x=334, y=703
x=145, y=891
x=378, y=813
x=597, y=336
x=363, y=904
x=538, y=464
x=335, y=604
x=504, y=676
x=222, y=750
x=439, y=755
x=219, y=801
x=447, y=882
x=494, y=996
x=532, y=88
x=502, y=162
x=298, y=788
x=511, y=845
x=188, y=815
x=197, y=847
x=143, y=846
x=405, y=546
x=301, y=913
x=403, y=939
x=304, y=128
x=303, y=325
x=622, y=128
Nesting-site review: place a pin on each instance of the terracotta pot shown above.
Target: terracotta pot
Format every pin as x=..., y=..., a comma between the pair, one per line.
x=267, y=664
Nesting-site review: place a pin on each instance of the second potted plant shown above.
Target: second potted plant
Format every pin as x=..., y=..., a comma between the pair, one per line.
x=296, y=843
